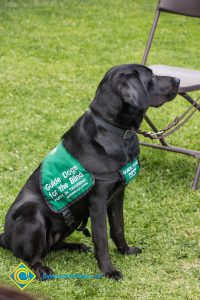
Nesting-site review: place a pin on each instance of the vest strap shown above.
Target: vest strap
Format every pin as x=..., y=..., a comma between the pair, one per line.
x=68, y=217
x=70, y=220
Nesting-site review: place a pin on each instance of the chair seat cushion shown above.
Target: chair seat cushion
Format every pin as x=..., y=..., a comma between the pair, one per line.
x=190, y=79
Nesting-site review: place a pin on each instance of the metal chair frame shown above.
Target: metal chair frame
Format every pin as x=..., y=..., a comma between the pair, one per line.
x=183, y=7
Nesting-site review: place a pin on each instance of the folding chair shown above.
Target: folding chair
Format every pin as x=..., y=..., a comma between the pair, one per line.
x=190, y=79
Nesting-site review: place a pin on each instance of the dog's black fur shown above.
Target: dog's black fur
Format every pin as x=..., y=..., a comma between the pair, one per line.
x=122, y=99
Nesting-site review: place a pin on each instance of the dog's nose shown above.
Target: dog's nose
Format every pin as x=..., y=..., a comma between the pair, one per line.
x=177, y=80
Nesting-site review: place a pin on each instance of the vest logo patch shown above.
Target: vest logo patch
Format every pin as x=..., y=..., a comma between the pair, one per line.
x=130, y=171
x=63, y=179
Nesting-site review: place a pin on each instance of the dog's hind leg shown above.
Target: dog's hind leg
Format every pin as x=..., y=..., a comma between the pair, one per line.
x=36, y=264
x=27, y=240
x=116, y=221
x=34, y=250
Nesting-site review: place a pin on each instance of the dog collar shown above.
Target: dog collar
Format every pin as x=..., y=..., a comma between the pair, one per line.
x=125, y=134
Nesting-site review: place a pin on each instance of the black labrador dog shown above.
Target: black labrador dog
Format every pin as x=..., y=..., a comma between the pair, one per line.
x=103, y=140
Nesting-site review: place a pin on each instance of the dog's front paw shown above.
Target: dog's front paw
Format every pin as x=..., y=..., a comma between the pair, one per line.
x=114, y=274
x=130, y=251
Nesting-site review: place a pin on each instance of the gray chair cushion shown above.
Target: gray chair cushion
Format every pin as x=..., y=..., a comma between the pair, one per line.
x=190, y=79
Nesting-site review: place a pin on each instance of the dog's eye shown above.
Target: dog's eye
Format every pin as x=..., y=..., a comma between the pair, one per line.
x=153, y=77
x=151, y=82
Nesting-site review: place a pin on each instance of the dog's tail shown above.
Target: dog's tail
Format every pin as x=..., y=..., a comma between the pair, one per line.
x=2, y=243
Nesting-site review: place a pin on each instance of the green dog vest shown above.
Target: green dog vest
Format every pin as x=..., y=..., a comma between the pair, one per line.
x=64, y=180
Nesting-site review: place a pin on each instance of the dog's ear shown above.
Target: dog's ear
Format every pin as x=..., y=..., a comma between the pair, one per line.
x=134, y=92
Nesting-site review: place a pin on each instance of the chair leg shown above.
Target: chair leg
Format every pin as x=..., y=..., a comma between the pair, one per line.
x=189, y=99
x=197, y=177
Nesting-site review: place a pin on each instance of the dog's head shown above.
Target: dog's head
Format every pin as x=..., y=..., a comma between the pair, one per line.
x=133, y=86
x=141, y=88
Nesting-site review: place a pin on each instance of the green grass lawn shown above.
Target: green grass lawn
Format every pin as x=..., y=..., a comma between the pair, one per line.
x=52, y=56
